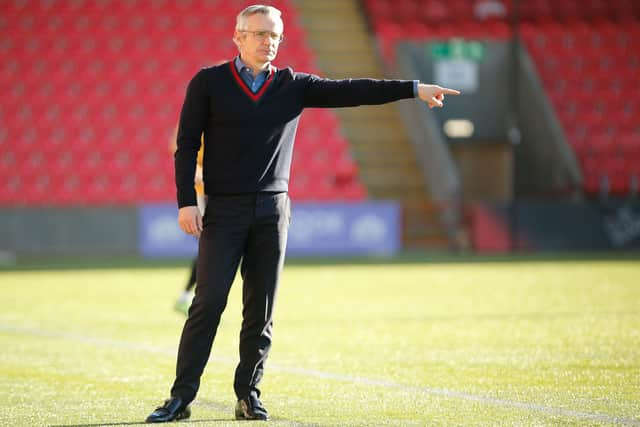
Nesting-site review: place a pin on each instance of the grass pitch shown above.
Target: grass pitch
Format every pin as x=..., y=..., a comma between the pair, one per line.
x=404, y=344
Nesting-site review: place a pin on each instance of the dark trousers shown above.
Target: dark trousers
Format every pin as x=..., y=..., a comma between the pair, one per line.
x=251, y=228
x=192, y=276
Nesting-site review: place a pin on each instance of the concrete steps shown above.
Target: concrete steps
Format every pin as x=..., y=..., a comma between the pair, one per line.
x=338, y=33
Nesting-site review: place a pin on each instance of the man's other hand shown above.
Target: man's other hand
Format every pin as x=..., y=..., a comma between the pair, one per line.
x=190, y=220
x=433, y=95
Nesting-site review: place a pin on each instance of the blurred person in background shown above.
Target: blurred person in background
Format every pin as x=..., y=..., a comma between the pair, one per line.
x=248, y=111
x=183, y=302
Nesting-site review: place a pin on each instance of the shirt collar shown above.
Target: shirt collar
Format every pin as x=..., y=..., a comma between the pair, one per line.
x=240, y=65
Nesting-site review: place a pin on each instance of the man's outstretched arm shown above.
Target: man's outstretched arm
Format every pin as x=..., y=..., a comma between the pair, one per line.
x=328, y=93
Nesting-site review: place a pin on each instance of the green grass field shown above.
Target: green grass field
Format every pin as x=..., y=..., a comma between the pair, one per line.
x=404, y=344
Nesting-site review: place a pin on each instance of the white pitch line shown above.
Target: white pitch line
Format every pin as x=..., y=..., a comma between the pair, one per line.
x=548, y=410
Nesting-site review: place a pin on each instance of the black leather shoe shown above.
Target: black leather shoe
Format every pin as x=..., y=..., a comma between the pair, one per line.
x=172, y=410
x=250, y=408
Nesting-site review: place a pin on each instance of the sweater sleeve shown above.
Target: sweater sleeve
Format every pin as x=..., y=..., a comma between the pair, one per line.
x=329, y=93
x=193, y=120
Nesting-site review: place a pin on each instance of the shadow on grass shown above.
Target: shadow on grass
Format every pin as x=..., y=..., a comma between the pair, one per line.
x=190, y=421
x=135, y=423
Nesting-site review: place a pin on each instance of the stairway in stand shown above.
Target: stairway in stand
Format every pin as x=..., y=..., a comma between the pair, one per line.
x=337, y=31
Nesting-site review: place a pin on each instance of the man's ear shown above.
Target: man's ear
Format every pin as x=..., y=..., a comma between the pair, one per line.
x=237, y=38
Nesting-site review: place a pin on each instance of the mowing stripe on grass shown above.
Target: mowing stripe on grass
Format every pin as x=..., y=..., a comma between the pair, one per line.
x=548, y=410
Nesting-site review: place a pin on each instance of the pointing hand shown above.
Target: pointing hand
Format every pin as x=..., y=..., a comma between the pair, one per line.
x=433, y=95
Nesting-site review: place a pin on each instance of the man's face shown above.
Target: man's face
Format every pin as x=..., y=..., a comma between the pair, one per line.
x=258, y=43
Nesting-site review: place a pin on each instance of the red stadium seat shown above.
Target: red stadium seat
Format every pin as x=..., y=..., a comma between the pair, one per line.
x=590, y=92
x=73, y=74
x=352, y=191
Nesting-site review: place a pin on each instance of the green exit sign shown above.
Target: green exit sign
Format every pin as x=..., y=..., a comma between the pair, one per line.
x=457, y=49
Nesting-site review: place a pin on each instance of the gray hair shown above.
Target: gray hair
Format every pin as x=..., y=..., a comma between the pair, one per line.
x=241, y=19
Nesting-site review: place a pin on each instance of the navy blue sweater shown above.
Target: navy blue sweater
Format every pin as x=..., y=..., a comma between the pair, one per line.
x=248, y=138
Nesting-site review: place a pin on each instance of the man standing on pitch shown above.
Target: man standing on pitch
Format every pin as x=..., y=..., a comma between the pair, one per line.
x=248, y=111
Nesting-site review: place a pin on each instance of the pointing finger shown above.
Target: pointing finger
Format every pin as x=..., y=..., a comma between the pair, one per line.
x=449, y=91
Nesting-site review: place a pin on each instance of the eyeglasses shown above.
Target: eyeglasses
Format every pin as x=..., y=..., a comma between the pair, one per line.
x=261, y=35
